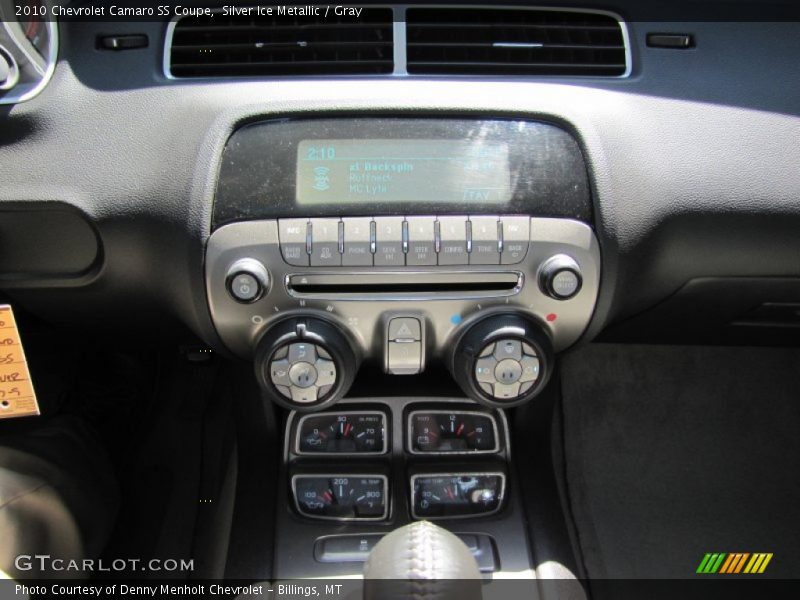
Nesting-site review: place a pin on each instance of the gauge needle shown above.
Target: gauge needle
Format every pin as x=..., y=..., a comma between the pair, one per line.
x=347, y=429
x=460, y=429
x=327, y=496
x=450, y=493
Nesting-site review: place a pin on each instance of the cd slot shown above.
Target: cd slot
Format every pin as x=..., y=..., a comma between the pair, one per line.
x=436, y=285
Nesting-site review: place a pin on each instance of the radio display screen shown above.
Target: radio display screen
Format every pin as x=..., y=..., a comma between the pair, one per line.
x=371, y=171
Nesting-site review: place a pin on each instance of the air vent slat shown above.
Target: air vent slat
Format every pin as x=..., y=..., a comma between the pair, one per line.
x=481, y=41
x=297, y=45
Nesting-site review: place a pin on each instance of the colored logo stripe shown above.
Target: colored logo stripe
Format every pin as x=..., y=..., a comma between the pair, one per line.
x=711, y=562
x=758, y=563
x=734, y=563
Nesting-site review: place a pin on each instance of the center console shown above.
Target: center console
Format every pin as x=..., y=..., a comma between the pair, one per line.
x=390, y=245
x=400, y=242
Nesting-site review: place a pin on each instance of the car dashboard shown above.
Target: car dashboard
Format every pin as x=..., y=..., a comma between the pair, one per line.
x=397, y=243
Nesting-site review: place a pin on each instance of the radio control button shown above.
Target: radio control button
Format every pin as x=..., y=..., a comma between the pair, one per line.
x=560, y=277
x=485, y=243
x=245, y=287
x=453, y=244
x=293, y=235
x=516, y=233
x=389, y=242
x=421, y=249
x=325, y=243
x=357, y=252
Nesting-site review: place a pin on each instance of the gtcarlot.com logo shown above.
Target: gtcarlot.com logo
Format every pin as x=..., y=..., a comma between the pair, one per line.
x=735, y=563
x=45, y=562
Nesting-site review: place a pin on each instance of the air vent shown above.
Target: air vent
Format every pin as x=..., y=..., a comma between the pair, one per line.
x=218, y=46
x=514, y=42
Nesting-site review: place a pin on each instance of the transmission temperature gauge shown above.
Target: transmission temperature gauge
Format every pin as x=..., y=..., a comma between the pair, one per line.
x=452, y=495
x=341, y=497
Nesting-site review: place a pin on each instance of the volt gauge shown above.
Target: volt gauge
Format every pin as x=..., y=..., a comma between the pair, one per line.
x=452, y=432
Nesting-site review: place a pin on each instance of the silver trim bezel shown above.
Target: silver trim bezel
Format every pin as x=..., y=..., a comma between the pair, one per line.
x=409, y=431
x=51, y=59
x=386, y=497
x=458, y=474
x=400, y=29
x=298, y=428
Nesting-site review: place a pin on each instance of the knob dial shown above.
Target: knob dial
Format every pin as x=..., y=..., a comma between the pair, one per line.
x=502, y=360
x=305, y=363
x=560, y=277
x=247, y=280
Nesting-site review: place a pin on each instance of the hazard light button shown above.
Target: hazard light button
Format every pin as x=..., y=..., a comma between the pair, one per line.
x=404, y=354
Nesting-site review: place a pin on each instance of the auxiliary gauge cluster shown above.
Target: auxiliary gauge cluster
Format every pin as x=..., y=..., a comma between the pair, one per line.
x=391, y=460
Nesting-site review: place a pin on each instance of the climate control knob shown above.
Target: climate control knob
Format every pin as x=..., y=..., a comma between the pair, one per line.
x=560, y=277
x=502, y=360
x=305, y=363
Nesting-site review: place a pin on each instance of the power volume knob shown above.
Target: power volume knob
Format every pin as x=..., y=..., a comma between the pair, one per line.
x=248, y=280
x=560, y=277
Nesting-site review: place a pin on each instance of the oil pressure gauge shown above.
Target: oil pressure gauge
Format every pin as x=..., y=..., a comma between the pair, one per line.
x=342, y=432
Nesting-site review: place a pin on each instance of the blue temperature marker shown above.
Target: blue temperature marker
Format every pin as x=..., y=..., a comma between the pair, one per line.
x=455, y=319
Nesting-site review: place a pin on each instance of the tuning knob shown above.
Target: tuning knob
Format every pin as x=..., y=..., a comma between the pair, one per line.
x=502, y=360
x=560, y=277
x=305, y=363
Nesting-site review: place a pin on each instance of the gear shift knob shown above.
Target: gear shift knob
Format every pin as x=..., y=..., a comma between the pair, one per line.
x=421, y=560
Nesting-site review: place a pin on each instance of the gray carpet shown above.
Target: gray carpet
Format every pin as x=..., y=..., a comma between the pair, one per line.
x=672, y=452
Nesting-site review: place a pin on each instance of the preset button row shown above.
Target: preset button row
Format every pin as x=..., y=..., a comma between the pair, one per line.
x=404, y=241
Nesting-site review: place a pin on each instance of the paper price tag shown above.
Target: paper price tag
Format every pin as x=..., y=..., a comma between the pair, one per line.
x=17, y=398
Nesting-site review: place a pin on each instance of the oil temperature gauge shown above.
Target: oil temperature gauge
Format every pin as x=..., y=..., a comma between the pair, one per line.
x=341, y=497
x=456, y=432
x=342, y=433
